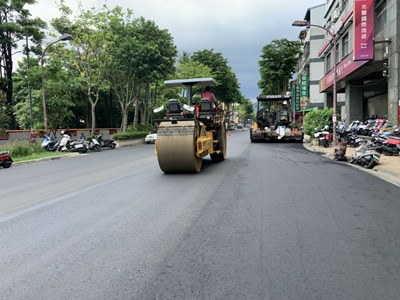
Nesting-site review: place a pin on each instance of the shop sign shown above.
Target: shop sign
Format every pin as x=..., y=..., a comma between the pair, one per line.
x=304, y=86
x=363, y=22
x=345, y=68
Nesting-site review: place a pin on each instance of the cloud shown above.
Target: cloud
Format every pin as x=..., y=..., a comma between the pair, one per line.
x=236, y=28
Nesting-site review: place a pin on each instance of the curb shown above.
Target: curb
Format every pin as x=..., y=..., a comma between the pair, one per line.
x=32, y=161
x=126, y=143
x=385, y=173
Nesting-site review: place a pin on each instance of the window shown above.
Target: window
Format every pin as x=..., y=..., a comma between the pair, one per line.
x=345, y=45
x=381, y=15
x=337, y=52
x=328, y=63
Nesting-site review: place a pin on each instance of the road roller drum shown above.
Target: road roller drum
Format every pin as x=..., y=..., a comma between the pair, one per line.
x=189, y=133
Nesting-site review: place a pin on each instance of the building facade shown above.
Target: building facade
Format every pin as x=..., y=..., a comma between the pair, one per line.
x=363, y=47
x=310, y=63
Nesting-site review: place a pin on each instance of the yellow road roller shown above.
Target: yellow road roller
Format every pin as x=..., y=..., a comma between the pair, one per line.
x=190, y=132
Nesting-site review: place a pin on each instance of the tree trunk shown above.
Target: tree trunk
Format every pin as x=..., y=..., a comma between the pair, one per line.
x=9, y=86
x=124, y=123
x=136, y=115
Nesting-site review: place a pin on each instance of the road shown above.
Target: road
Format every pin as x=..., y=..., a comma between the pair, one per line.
x=273, y=221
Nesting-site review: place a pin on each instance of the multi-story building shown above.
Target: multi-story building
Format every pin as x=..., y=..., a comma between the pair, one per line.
x=310, y=63
x=366, y=34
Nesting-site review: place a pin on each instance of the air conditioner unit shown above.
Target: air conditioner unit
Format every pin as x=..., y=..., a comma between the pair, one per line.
x=335, y=14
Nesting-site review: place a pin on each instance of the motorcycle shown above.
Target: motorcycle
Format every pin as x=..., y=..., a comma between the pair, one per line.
x=391, y=146
x=5, y=159
x=50, y=144
x=366, y=156
x=323, y=136
x=92, y=144
x=110, y=143
x=67, y=146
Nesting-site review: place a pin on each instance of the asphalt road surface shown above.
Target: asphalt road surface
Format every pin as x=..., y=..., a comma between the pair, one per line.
x=273, y=221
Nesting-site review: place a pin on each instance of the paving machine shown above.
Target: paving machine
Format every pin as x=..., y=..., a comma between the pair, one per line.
x=274, y=120
x=190, y=132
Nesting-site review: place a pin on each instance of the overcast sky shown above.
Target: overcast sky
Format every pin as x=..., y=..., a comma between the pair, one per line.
x=237, y=28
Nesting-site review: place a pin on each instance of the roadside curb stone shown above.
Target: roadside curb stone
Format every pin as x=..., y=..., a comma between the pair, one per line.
x=388, y=168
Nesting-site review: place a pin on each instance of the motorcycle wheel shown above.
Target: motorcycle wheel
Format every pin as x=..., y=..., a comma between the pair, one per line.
x=96, y=148
x=369, y=164
x=112, y=146
x=7, y=164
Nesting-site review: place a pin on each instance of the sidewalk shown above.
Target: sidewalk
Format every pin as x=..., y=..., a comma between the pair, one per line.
x=388, y=168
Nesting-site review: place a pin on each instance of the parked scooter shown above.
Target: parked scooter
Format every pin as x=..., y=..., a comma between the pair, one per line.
x=323, y=136
x=391, y=146
x=366, y=156
x=50, y=144
x=5, y=159
x=110, y=143
x=92, y=144
x=67, y=146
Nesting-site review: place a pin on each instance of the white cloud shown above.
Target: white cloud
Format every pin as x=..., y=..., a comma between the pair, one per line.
x=236, y=28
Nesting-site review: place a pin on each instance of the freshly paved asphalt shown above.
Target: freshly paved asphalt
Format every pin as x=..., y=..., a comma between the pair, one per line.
x=273, y=221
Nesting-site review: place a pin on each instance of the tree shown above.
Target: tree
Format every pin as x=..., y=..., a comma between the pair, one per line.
x=245, y=110
x=227, y=89
x=89, y=55
x=277, y=65
x=15, y=26
x=142, y=54
x=59, y=87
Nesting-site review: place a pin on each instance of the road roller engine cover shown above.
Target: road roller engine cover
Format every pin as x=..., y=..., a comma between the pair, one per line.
x=190, y=132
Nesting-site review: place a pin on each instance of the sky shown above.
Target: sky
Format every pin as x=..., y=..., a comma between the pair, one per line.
x=238, y=29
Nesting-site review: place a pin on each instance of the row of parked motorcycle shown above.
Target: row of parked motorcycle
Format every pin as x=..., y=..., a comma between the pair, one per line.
x=83, y=145
x=371, y=139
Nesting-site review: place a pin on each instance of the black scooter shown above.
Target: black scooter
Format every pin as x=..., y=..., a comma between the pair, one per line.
x=110, y=143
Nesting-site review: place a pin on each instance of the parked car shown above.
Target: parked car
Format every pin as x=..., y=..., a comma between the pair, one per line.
x=240, y=126
x=151, y=138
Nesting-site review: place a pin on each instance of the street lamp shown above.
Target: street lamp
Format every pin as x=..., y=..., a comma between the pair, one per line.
x=304, y=23
x=64, y=37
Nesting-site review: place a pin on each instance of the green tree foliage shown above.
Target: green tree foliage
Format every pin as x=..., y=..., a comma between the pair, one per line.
x=16, y=25
x=59, y=90
x=142, y=54
x=193, y=69
x=277, y=65
x=317, y=119
x=89, y=54
x=245, y=110
x=227, y=89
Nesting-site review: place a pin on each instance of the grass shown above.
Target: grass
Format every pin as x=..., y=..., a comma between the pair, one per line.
x=23, y=151
x=38, y=156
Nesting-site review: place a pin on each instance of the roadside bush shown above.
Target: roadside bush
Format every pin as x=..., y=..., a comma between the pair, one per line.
x=129, y=135
x=140, y=128
x=22, y=148
x=317, y=119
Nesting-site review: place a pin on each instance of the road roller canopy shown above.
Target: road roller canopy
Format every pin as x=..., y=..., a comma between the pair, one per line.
x=274, y=98
x=190, y=82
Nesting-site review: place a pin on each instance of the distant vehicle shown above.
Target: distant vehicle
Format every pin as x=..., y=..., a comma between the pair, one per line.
x=240, y=126
x=151, y=138
x=232, y=127
x=275, y=120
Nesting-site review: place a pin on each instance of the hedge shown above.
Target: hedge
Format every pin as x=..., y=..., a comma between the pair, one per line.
x=129, y=135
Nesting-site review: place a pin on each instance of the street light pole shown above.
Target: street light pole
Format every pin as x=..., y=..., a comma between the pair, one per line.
x=304, y=23
x=65, y=37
